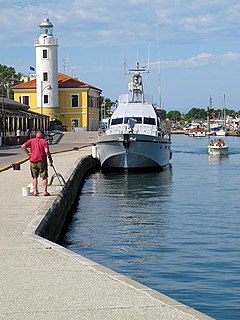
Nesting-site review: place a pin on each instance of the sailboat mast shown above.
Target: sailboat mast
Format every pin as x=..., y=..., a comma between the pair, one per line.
x=159, y=78
x=224, y=111
x=208, y=114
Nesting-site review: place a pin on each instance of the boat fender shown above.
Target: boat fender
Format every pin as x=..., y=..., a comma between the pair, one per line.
x=94, y=151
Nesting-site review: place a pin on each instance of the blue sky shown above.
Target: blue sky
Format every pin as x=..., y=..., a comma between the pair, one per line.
x=198, y=43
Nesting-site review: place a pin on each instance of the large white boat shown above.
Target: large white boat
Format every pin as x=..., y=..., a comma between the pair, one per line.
x=135, y=138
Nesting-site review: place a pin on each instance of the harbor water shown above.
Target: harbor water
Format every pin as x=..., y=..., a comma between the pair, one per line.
x=176, y=231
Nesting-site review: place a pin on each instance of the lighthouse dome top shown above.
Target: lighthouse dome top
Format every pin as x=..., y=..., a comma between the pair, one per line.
x=46, y=27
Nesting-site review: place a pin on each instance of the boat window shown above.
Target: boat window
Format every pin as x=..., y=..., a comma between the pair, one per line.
x=116, y=121
x=137, y=119
x=151, y=121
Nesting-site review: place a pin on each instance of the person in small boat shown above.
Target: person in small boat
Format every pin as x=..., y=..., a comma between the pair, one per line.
x=219, y=143
x=211, y=143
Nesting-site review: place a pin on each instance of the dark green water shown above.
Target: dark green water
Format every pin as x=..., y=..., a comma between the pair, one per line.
x=177, y=231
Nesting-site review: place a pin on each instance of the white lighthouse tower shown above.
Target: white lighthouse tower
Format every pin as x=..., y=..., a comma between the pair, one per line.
x=47, y=70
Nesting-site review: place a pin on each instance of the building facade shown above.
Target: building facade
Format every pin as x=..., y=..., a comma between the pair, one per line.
x=78, y=102
x=17, y=116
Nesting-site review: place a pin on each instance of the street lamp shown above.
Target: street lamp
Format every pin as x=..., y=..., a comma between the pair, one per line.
x=48, y=87
x=103, y=106
x=3, y=118
x=5, y=85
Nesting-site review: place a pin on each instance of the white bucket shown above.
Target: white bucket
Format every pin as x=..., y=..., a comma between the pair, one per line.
x=25, y=191
x=30, y=185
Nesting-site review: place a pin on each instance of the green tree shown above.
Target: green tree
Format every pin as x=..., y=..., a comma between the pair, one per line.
x=106, y=105
x=8, y=78
x=215, y=113
x=162, y=113
x=218, y=113
x=174, y=115
x=230, y=112
x=196, y=114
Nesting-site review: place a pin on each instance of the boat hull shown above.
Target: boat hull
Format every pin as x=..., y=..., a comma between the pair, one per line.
x=218, y=150
x=133, y=151
x=221, y=133
x=197, y=134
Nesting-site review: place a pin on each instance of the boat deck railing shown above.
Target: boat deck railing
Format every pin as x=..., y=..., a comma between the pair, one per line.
x=166, y=134
x=127, y=98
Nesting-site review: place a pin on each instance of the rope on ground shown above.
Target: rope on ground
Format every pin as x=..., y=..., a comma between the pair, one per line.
x=17, y=163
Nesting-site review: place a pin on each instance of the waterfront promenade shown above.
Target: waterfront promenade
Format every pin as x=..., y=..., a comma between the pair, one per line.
x=42, y=280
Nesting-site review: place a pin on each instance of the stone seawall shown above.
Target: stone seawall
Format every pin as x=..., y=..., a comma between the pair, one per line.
x=54, y=221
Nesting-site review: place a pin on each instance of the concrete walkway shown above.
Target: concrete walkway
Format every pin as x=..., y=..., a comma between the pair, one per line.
x=42, y=280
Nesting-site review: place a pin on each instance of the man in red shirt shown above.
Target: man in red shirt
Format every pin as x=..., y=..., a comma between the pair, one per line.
x=38, y=151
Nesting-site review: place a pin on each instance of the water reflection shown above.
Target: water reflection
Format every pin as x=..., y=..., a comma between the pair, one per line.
x=217, y=158
x=121, y=221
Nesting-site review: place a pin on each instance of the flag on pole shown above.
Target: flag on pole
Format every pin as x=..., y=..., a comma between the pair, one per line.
x=32, y=68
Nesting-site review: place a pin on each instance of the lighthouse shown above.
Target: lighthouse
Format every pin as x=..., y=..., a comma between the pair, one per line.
x=47, y=70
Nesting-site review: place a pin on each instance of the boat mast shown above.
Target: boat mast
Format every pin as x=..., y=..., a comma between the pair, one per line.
x=224, y=111
x=208, y=113
x=159, y=75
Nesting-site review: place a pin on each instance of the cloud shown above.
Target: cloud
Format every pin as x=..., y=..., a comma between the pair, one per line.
x=92, y=22
x=99, y=25
x=199, y=60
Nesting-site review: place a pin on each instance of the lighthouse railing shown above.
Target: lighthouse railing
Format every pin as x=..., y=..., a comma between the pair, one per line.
x=46, y=40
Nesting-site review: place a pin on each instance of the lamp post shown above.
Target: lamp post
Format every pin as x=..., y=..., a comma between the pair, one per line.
x=3, y=118
x=48, y=86
x=103, y=105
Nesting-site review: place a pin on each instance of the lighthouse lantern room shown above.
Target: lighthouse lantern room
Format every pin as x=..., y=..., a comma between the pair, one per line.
x=46, y=27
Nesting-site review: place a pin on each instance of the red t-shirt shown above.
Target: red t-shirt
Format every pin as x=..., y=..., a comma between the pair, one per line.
x=37, y=146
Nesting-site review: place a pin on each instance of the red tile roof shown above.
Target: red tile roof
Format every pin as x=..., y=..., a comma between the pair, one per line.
x=26, y=85
x=64, y=81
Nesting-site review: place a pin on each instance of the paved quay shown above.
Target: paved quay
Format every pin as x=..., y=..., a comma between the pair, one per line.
x=42, y=280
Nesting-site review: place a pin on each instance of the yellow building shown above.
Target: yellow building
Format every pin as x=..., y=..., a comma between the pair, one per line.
x=78, y=102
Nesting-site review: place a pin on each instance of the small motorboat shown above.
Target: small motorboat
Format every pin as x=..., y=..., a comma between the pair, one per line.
x=218, y=147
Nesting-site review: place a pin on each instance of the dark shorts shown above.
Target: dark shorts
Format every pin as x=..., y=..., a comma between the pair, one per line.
x=39, y=169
